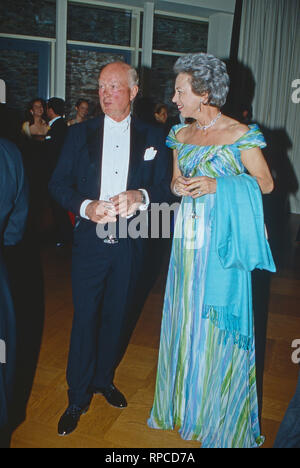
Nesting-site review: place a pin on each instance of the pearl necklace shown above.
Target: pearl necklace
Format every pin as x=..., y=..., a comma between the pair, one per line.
x=211, y=124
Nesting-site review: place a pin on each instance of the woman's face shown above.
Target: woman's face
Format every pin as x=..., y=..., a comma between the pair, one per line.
x=187, y=101
x=37, y=109
x=161, y=116
x=83, y=110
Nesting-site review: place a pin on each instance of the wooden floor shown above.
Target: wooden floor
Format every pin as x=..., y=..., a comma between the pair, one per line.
x=104, y=426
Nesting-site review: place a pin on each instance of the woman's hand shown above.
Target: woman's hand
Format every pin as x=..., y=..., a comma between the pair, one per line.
x=179, y=187
x=199, y=186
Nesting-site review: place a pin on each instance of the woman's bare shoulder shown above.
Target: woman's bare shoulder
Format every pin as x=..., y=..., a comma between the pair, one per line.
x=183, y=134
x=234, y=128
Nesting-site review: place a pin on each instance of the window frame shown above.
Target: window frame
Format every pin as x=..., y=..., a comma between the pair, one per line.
x=58, y=45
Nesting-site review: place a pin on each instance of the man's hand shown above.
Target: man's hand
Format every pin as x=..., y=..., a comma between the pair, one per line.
x=127, y=203
x=101, y=212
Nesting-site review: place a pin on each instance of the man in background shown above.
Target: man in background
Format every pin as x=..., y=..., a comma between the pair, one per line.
x=13, y=215
x=54, y=142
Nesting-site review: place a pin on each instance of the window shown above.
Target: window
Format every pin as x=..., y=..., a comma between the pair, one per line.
x=23, y=64
x=24, y=68
x=30, y=17
x=99, y=25
x=173, y=37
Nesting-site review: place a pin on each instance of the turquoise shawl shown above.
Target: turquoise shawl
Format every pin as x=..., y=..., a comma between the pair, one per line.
x=238, y=246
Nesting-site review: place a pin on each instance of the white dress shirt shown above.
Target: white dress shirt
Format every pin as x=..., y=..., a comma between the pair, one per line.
x=115, y=161
x=48, y=137
x=54, y=120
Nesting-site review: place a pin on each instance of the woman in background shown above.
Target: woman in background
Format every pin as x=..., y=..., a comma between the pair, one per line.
x=35, y=125
x=206, y=381
x=82, y=111
x=32, y=145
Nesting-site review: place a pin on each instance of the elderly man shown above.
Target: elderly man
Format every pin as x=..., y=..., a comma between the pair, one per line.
x=110, y=168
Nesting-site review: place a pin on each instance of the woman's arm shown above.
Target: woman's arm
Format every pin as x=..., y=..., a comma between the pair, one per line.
x=179, y=183
x=257, y=167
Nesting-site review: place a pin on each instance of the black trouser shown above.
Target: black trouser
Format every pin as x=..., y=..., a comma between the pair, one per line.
x=101, y=277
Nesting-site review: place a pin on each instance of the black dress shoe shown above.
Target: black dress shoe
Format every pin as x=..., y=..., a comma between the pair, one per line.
x=70, y=419
x=113, y=396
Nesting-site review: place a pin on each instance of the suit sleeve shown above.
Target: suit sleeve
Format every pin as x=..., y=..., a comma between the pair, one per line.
x=17, y=219
x=63, y=182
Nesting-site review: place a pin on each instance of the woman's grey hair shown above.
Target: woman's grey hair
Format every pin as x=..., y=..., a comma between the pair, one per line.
x=208, y=75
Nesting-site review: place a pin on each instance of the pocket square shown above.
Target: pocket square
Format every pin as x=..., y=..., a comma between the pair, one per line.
x=150, y=154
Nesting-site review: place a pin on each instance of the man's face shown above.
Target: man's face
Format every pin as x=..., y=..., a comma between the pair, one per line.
x=115, y=93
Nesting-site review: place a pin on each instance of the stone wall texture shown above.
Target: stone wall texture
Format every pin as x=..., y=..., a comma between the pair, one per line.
x=19, y=70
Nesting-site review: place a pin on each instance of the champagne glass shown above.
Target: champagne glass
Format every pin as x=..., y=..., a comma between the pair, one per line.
x=110, y=239
x=194, y=201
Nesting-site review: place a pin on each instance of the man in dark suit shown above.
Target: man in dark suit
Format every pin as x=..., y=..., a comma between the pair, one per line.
x=13, y=214
x=57, y=130
x=54, y=142
x=110, y=169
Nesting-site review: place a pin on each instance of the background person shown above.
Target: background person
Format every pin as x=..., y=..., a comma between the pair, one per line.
x=35, y=125
x=82, y=112
x=32, y=145
x=13, y=215
x=54, y=142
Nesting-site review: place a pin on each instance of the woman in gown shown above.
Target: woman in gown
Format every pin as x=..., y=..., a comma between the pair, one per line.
x=35, y=126
x=34, y=131
x=206, y=381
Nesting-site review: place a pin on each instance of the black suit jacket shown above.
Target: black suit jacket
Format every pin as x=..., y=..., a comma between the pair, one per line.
x=54, y=142
x=13, y=214
x=77, y=176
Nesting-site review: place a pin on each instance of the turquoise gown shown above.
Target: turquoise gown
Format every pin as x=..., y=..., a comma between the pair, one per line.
x=206, y=384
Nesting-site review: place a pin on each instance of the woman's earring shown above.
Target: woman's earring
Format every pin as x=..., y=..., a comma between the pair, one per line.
x=200, y=105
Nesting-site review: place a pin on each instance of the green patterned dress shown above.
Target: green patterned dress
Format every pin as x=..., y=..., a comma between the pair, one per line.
x=206, y=384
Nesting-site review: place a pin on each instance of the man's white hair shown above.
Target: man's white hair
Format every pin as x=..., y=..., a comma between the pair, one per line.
x=132, y=73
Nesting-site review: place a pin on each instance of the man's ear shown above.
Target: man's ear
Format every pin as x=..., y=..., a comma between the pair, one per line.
x=133, y=92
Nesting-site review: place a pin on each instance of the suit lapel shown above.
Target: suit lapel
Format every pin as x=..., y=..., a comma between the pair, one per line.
x=95, y=149
x=137, y=149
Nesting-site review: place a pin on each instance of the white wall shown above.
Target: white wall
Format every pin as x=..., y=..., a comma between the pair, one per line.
x=219, y=34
